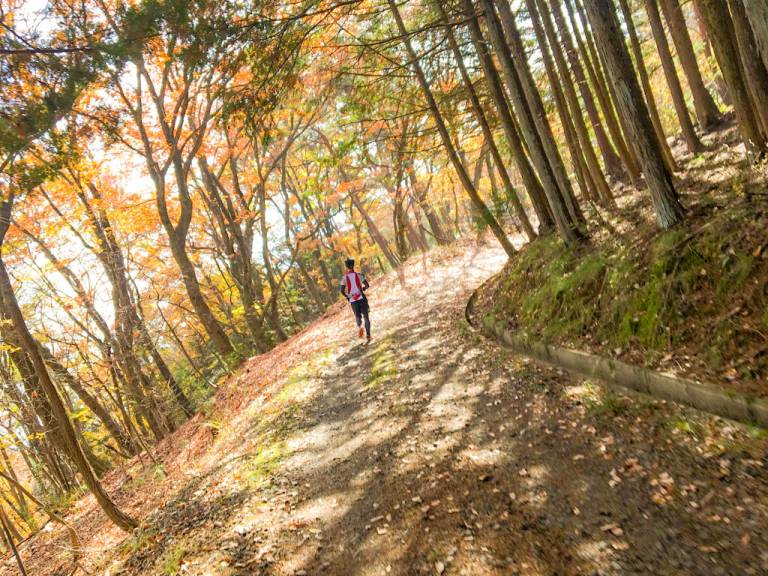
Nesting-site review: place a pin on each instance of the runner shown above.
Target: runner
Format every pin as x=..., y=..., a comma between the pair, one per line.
x=353, y=288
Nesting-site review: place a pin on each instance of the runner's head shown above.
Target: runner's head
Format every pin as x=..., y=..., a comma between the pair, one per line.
x=350, y=263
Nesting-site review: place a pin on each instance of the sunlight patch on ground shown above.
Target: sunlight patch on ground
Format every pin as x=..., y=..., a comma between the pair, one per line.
x=314, y=438
x=497, y=385
x=484, y=457
x=584, y=391
x=326, y=508
x=341, y=449
x=597, y=552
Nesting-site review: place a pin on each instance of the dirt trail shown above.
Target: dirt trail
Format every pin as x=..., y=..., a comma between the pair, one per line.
x=431, y=451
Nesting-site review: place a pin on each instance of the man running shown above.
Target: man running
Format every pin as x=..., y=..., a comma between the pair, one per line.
x=353, y=288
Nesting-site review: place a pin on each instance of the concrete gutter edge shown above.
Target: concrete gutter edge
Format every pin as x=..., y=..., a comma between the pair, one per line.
x=706, y=397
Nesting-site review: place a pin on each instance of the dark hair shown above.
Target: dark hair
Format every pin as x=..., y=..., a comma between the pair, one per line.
x=350, y=263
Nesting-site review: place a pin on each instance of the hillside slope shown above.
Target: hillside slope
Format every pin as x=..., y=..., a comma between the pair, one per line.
x=429, y=451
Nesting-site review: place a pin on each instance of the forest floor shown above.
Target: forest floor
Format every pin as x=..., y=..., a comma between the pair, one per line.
x=429, y=451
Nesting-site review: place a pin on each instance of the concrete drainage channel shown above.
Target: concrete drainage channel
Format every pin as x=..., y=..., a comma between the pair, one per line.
x=705, y=397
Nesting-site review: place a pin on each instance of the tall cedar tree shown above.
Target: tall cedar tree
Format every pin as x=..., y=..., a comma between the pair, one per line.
x=723, y=37
x=610, y=39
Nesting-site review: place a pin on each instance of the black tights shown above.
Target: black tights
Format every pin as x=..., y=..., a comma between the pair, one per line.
x=360, y=309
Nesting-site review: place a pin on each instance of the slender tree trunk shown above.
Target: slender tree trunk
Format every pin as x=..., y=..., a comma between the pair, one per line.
x=603, y=93
x=506, y=28
x=511, y=132
x=128, y=321
x=600, y=66
x=566, y=227
x=417, y=236
x=757, y=11
x=572, y=98
x=720, y=30
x=13, y=487
x=93, y=404
x=719, y=82
x=706, y=109
x=613, y=164
x=374, y=231
x=65, y=428
x=477, y=108
x=445, y=136
x=272, y=311
x=420, y=195
x=165, y=372
x=676, y=90
x=577, y=136
x=610, y=39
x=211, y=325
x=8, y=537
x=236, y=239
x=642, y=73
x=754, y=70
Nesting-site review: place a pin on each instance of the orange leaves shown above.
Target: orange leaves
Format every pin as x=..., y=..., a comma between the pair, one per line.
x=348, y=185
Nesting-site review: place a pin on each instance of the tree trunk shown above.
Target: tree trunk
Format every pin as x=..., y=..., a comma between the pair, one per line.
x=128, y=320
x=374, y=231
x=577, y=137
x=676, y=90
x=477, y=108
x=511, y=132
x=212, y=327
x=757, y=11
x=93, y=404
x=604, y=95
x=445, y=136
x=272, y=311
x=720, y=30
x=165, y=372
x=506, y=28
x=597, y=176
x=613, y=164
x=610, y=39
x=754, y=70
x=420, y=195
x=706, y=109
x=642, y=73
x=566, y=227
x=65, y=428
x=235, y=234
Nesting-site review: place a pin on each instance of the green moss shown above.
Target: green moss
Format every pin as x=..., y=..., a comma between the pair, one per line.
x=384, y=364
x=170, y=563
x=674, y=290
x=276, y=422
x=270, y=446
x=549, y=281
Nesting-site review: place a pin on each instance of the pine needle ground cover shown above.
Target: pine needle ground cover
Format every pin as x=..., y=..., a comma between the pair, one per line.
x=692, y=300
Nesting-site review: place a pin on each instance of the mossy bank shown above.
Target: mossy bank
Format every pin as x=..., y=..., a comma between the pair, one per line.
x=692, y=300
